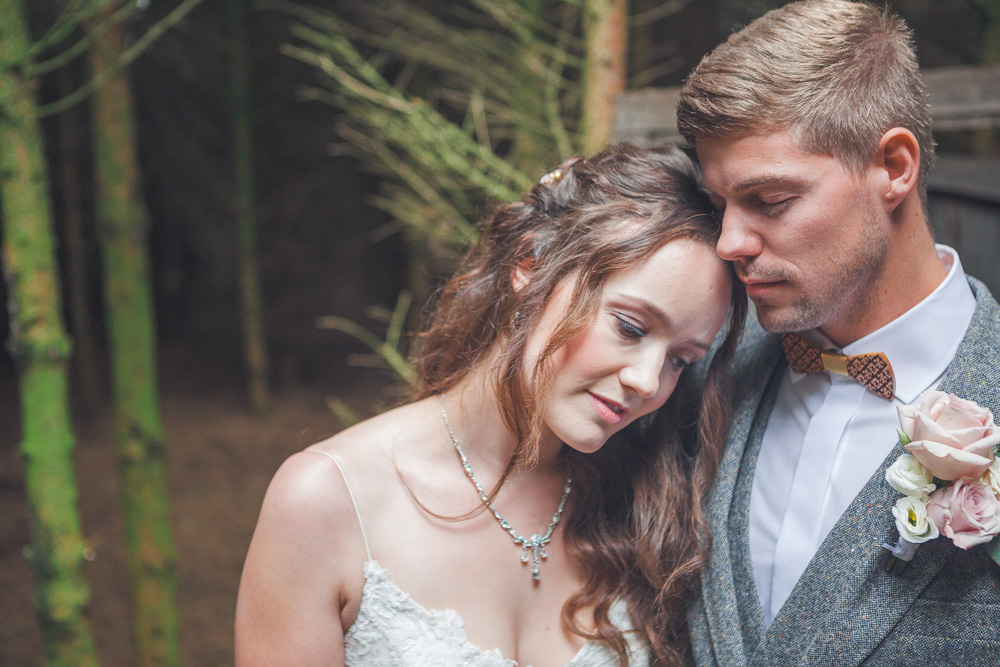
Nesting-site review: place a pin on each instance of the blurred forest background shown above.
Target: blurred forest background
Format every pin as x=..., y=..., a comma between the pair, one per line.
x=240, y=209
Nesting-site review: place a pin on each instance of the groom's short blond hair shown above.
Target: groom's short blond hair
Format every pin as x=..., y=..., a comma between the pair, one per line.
x=839, y=74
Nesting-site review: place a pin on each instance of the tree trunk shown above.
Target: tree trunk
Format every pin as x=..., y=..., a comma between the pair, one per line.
x=84, y=361
x=122, y=224
x=39, y=343
x=605, y=32
x=255, y=352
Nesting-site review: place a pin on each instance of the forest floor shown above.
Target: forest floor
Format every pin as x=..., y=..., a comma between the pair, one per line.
x=220, y=458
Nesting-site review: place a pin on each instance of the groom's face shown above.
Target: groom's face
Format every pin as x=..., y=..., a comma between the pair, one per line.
x=802, y=230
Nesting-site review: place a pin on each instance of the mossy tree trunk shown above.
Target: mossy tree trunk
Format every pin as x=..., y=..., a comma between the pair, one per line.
x=254, y=346
x=122, y=226
x=39, y=343
x=606, y=35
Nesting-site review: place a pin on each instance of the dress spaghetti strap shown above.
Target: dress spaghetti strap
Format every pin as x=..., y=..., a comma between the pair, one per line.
x=354, y=502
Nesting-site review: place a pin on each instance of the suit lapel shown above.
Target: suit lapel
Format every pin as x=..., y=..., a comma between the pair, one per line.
x=727, y=571
x=845, y=603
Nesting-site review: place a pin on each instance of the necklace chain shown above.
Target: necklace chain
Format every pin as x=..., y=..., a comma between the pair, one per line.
x=536, y=543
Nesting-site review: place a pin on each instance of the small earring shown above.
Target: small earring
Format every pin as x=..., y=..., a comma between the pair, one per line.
x=516, y=320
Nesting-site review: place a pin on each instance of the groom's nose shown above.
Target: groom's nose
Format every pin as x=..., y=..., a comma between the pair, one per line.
x=738, y=239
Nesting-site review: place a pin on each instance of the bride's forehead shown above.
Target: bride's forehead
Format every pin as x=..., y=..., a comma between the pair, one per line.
x=676, y=257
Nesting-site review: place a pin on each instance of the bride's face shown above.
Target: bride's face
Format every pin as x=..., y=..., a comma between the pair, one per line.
x=655, y=318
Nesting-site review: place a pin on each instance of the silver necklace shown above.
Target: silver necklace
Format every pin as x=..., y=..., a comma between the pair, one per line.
x=536, y=542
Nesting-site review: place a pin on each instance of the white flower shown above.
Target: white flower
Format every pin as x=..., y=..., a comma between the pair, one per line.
x=992, y=477
x=912, y=521
x=908, y=476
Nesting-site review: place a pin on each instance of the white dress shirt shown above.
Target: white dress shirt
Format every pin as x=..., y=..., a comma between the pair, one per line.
x=827, y=434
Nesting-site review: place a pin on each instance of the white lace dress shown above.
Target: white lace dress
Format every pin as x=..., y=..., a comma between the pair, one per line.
x=392, y=630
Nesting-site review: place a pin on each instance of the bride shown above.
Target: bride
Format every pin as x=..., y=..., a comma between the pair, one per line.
x=488, y=522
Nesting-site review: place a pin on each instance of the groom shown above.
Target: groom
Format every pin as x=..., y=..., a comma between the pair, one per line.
x=813, y=132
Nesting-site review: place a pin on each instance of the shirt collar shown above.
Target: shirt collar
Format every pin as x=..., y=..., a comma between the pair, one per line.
x=921, y=342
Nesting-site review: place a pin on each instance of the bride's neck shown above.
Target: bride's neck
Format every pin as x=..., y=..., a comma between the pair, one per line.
x=473, y=409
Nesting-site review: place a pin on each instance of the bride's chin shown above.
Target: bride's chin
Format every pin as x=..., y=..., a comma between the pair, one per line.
x=588, y=447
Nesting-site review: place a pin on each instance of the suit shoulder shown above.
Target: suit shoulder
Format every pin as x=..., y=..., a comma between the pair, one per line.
x=987, y=314
x=974, y=372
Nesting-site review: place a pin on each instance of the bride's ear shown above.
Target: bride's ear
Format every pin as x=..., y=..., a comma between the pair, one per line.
x=522, y=273
x=525, y=265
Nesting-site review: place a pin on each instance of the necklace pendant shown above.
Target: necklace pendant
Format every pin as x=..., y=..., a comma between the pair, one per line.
x=537, y=545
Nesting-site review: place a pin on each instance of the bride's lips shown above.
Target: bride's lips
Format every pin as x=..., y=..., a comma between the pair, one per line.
x=610, y=411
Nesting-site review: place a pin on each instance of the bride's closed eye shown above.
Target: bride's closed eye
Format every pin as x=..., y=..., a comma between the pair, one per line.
x=628, y=329
x=678, y=363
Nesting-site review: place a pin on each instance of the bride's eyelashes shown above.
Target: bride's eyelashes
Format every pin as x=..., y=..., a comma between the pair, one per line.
x=628, y=329
x=678, y=363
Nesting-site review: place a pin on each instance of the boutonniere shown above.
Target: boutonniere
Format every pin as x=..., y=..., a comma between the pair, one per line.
x=950, y=479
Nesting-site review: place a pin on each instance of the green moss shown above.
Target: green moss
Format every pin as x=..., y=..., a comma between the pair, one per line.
x=39, y=343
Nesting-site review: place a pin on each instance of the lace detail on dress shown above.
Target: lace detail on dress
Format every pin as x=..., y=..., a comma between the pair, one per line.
x=392, y=630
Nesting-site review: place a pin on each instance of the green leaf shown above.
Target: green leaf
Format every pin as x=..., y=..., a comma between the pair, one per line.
x=993, y=549
x=903, y=438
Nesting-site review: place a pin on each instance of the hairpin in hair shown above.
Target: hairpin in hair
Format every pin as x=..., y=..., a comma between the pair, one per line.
x=551, y=177
x=560, y=171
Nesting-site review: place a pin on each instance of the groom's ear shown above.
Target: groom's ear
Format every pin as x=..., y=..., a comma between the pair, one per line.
x=898, y=158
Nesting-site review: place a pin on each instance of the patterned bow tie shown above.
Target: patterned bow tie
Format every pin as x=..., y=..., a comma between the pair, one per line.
x=872, y=371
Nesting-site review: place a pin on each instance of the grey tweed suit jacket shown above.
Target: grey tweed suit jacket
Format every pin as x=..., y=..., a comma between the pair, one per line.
x=846, y=610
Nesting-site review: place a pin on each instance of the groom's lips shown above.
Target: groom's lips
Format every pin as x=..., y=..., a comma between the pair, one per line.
x=758, y=287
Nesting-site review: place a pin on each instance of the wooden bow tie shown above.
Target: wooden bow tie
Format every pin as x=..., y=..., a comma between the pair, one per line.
x=873, y=370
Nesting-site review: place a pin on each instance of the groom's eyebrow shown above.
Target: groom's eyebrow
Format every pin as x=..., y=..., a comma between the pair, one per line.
x=749, y=184
x=766, y=179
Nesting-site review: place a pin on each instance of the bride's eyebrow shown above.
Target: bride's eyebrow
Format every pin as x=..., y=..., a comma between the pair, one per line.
x=641, y=303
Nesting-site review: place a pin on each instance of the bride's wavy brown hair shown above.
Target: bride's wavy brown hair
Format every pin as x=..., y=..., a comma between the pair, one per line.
x=635, y=525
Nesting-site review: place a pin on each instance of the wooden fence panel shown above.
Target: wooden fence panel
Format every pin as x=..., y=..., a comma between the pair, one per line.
x=962, y=98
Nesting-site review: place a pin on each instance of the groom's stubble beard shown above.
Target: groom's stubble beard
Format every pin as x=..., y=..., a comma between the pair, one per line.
x=836, y=294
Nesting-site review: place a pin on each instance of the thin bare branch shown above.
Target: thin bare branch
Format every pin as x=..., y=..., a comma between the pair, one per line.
x=124, y=60
x=74, y=14
x=657, y=13
x=80, y=47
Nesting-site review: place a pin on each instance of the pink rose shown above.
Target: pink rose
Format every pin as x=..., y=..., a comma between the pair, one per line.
x=968, y=512
x=951, y=436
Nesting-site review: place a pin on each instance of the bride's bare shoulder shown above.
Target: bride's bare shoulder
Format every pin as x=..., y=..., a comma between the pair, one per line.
x=371, y=445
x=306, y=556
x=314, y=485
